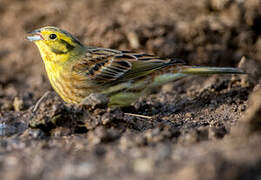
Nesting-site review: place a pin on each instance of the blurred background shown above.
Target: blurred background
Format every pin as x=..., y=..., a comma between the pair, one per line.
x=202, y=32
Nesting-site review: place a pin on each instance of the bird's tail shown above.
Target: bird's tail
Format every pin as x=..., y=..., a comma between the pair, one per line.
x=196, y=70
x=126, y=93
x=183, y=71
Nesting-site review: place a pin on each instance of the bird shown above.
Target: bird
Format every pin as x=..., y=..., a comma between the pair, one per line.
x=87, y=75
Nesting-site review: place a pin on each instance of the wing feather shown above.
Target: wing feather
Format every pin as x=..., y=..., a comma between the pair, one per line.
x=104, y=66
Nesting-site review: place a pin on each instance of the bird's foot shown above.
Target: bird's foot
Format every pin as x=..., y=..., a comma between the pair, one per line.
x=95, y=100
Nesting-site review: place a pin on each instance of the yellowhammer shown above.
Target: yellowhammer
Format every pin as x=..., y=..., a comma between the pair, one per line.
x=80, y=74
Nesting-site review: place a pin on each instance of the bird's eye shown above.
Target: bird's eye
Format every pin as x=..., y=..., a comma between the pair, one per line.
x=52, y=36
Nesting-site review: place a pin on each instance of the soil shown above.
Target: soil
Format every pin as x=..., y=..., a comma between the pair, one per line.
x=195, y=128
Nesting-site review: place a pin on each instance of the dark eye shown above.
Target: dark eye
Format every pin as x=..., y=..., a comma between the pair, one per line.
x=52, y=36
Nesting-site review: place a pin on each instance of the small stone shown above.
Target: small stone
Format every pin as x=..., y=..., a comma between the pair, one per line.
x=7, y=105
x=188, y=138
x=60, y=131
x=18, y=104
x=219, y=4
x=203, y=133
x=133, y=40
x=217, y=132
x=143, y=165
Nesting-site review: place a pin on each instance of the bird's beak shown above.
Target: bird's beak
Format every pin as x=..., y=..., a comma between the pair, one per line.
x=35, y=36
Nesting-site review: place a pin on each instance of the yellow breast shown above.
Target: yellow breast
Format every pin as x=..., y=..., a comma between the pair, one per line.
x=70, y=87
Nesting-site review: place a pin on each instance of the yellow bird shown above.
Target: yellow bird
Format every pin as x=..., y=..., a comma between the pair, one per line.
x=82, y=74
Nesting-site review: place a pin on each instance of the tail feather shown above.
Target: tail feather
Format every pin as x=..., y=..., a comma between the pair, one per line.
x=126, y=93
x=195, y=70
x=184, y=71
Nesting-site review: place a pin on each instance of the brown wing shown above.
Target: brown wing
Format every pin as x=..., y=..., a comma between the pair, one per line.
x=106, y=65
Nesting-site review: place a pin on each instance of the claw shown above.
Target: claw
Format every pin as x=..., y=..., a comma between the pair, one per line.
x=95, y=100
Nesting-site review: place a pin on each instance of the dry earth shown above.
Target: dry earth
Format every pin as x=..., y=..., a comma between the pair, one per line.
x=195, y=128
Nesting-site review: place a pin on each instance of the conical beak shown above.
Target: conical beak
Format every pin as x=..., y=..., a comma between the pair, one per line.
x=35, y=35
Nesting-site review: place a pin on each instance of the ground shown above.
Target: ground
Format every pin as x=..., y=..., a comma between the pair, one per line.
x=195, y=128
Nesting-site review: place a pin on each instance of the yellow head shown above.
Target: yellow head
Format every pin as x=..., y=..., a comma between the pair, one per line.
x=55, y=45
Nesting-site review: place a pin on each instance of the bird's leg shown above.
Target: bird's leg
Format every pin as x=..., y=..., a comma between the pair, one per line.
x=95, y=100
x=36, y=107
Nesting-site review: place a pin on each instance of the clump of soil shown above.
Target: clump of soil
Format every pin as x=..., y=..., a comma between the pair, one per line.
x=195, y=128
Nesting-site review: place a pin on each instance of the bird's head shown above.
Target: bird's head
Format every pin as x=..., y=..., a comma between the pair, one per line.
x=54, y=43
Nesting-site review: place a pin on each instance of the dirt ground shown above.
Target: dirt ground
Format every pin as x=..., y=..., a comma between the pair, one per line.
x=195, y=128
